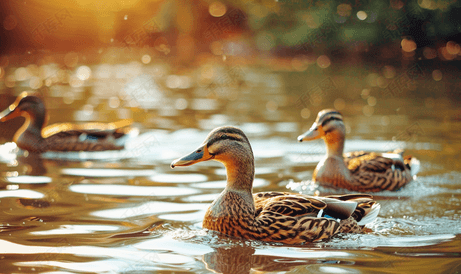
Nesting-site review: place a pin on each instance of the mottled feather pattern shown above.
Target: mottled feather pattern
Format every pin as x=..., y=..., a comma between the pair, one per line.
x=281, y=217
x=360, y=171
x=372, y=172
x=91, y=141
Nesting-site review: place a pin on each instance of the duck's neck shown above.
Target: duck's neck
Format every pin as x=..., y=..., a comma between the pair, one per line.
x=29, y=136
x=335, y=144
x=240, y=174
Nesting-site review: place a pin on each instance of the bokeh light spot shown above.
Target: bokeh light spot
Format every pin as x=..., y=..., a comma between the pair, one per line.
x=365, y=93
x=217, y=9
x=305, y=113
x=389, y=72
x=68, y=98
x=83, y=73
x=35, y=82
x=437, y=75
x=381, y=82
x=453, y=48
x=145, y=59
x=362, y=15
x=323, y=61
x=445, y=54
x=88, y=109
x=368, y=110
x=172, y=81
x=184, y=82
x=372, y=79
x=75, y=82
x=21, y=74
x=408, y=45
x=271, y=106
x=429, y=53
x=300, y=63
x=371, y=101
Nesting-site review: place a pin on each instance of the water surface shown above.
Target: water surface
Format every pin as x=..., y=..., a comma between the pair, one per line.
x=127, y=211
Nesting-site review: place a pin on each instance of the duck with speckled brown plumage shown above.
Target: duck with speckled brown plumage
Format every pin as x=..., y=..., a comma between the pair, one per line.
x=33, y=136
x=356, y=171
x=272, y=216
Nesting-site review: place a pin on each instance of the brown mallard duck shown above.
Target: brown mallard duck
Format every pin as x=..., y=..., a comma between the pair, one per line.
x=357, y=171
x=34, y=137
x=272, y=216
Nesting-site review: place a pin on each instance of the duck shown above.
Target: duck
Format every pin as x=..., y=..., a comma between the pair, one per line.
x=34, y=137
x=358, y=171
x=281, y=217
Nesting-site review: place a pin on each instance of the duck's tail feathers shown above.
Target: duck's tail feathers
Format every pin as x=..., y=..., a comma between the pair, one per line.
x=414, y=165
x=371, y=216
x=129, y=134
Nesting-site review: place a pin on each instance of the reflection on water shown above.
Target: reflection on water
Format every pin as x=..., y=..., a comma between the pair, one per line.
x=127, y=211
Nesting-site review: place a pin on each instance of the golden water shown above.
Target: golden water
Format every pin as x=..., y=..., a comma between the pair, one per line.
x=128, y=212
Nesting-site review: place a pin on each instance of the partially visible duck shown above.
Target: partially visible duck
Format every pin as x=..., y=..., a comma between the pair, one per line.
x=282, y=217
x=356, y=171
x=34, y=137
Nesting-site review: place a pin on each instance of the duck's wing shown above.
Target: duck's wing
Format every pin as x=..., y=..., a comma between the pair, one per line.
x=366, y=210
x=378, y=171
x=88, y=137
x=80, y=141
x=372, y=162
x=288, y=204
x=291, y=218
x=98, y=130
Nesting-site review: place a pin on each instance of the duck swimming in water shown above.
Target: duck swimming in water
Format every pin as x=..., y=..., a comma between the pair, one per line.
x=282, y=217
x=34, y=137
x=356, y=171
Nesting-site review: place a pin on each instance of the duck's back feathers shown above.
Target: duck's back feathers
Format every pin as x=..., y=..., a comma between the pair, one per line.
x=289, y=204
x=87, y=137
x=308, y=218
x=373, y=172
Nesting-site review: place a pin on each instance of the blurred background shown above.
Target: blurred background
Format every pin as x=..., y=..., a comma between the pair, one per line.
x=155, y=61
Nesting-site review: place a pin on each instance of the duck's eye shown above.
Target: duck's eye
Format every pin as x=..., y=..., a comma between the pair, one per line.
x=198, y=151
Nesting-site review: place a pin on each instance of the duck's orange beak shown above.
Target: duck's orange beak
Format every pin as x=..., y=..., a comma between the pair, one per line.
x=315, y=132
x=10, y=113
x=199, y=155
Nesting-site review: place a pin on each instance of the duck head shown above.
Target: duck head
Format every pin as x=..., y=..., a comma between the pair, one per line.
x=231, y=147
x=26, y=105
x=330, y=127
